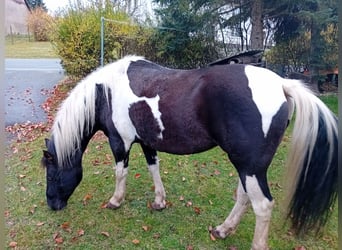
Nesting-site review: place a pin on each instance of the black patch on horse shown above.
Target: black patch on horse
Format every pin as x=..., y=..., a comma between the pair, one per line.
x=144, y=122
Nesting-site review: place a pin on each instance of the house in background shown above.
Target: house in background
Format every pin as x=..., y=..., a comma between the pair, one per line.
x=16, y=12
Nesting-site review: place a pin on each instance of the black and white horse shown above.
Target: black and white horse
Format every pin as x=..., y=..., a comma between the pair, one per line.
x=241, y=108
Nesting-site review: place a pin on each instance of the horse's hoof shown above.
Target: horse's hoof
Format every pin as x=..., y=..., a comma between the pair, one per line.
x=157, y=207
x=214, y=232
x=112, y=206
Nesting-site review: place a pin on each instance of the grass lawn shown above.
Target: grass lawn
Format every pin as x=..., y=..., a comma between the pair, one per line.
x=22, y=47
x=199, y=193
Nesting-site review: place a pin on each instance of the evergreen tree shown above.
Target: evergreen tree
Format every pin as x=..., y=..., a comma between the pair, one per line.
x=293, y=18
x=33, y=4
x=186, y=38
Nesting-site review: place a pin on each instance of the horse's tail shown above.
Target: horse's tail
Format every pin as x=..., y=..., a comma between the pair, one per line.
x=312, y=160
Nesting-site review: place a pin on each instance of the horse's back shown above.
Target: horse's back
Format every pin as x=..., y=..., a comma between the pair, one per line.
x=201, y=108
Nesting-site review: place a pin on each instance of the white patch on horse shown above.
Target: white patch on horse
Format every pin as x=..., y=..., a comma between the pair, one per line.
x=262, y=208
x=120, y=184
x=123, y=97
x=159, y=202
x=267, y=92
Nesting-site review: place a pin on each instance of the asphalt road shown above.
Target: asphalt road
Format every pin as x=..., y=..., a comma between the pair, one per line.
x=27, y=82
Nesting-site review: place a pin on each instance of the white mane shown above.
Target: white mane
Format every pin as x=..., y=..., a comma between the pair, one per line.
x=76, y=115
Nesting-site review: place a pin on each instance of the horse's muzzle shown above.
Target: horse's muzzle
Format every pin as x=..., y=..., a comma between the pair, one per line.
x=57, y=204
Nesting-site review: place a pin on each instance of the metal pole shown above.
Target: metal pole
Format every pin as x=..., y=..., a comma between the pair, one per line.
x=102, y=39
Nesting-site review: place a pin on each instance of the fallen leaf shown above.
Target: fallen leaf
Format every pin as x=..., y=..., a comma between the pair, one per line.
x=108, y=157
x=105, y=234
x=217, y=172
x=14, y=150
x=189, y=247
x=22, y=188
x=59, y=240
x=137, y=176
x=74, y=239
x=13, y=244
x=181, y=198
x=86, y=198
x=299, y=248
x=12, y=233
x=104, y=204
x=149, y=205
x=96, y=162
x=80, y=232
x=135, y=241
x=66, y=226
x=168, y=204
x=197, y=210
x=188, y=204
x=7, y=213
x=21, y=176
x=146, y=228
x=39, y=224
x=212, y=237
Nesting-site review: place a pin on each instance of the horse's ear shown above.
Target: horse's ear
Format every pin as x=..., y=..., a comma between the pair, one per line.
x=48, y=155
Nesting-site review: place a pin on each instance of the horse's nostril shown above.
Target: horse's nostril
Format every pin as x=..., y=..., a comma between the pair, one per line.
x=57, y=205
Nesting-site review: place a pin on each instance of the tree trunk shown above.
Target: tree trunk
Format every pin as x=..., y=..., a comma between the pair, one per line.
x=315, y=55
x=257, y=34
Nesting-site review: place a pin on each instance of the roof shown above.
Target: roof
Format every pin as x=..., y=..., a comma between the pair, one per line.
x=247, y=57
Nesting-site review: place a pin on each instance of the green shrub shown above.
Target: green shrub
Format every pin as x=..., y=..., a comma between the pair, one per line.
x=39, y=23
x=77, y=37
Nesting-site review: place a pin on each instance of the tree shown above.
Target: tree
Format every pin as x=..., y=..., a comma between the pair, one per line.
x=40, y=23
x=186, y=37
x=257, y=33
x=313, y=16
x=33, y=4
x=76, y=37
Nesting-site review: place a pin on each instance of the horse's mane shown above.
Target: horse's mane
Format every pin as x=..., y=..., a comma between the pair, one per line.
x=76, y=115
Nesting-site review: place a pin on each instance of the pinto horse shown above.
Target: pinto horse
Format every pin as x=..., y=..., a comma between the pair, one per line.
x=243, y=109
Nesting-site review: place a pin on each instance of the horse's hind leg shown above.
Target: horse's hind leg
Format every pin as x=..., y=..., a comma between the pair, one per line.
x=153, y=166
x=262, y=207
x=229, y=225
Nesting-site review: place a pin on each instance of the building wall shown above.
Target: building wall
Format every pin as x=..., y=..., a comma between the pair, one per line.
x=16, y=13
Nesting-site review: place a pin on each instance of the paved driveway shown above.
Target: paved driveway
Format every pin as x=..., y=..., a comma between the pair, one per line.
x=27, y=82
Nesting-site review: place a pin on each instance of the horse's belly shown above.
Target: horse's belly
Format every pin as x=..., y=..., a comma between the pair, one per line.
x=184, y=143
x=175, y=138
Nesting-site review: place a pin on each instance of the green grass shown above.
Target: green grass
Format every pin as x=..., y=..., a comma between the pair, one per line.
x=331, y=101
x=208, y=180
x=23, y=47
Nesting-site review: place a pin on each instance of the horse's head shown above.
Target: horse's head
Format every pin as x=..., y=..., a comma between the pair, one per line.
x=61, y=181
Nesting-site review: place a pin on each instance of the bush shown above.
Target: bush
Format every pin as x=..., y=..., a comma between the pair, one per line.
x=77, y=37
x=39, y=23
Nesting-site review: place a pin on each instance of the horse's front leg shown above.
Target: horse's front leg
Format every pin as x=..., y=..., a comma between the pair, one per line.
x=121, y=171
x=153, y=166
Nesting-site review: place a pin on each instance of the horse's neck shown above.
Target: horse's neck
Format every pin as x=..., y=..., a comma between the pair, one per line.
x=87, y=137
